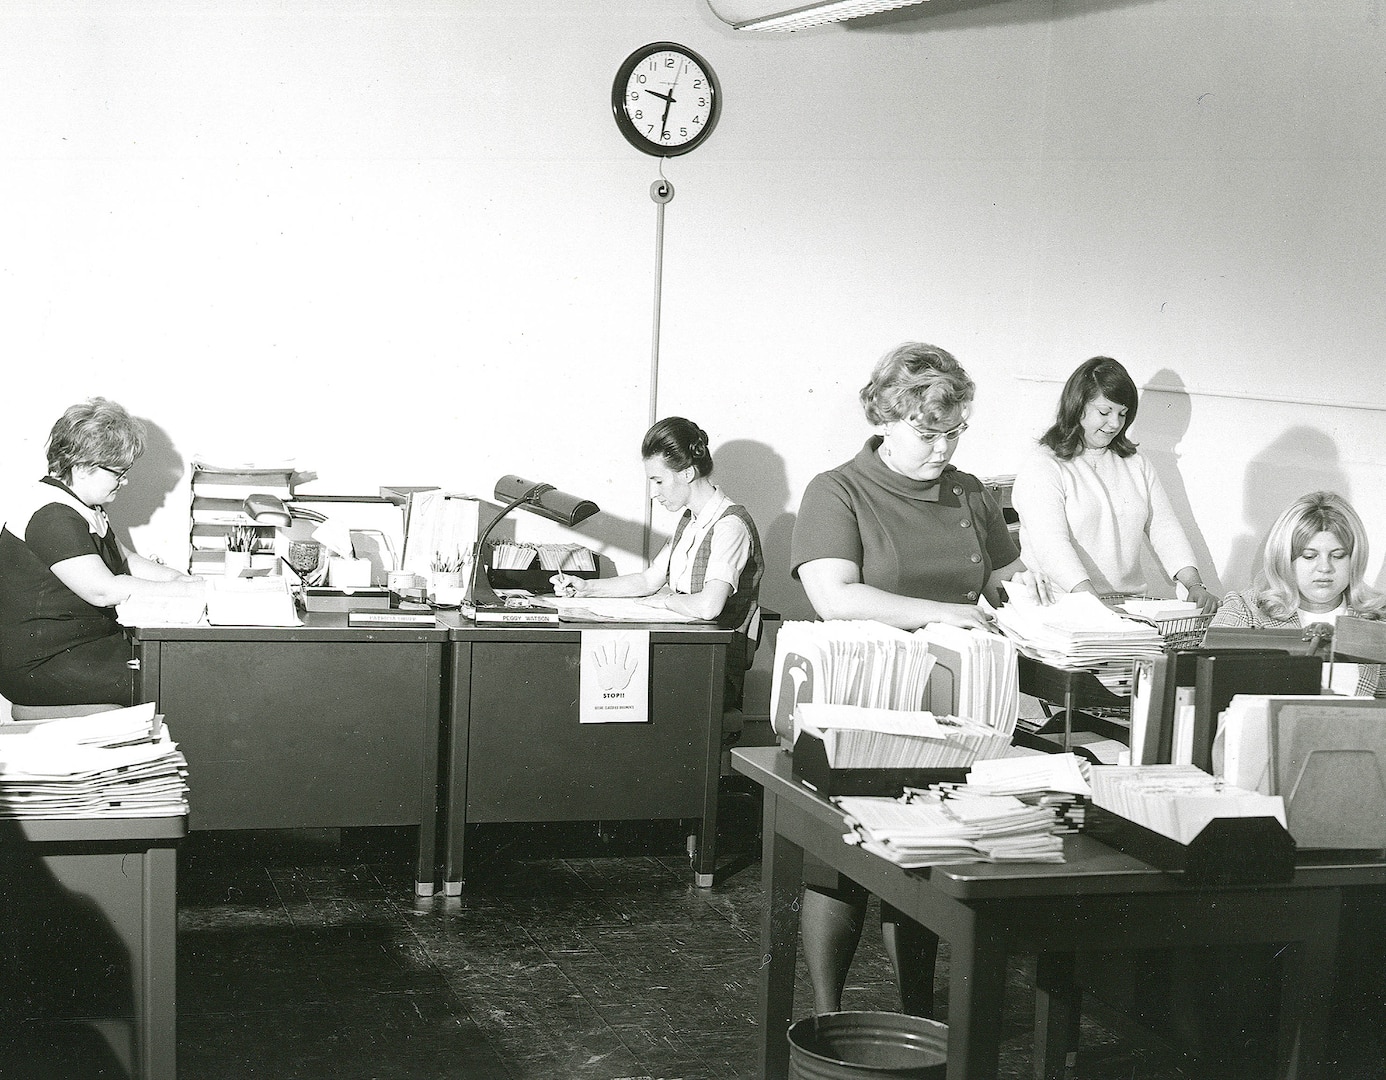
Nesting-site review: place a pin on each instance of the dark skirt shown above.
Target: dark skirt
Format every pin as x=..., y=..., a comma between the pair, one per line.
x=94, y=673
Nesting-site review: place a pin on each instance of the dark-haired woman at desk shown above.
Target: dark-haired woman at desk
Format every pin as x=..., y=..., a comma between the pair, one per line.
x=712, y=566
x=901, y=536
x=1314, y=570
x=62, y=570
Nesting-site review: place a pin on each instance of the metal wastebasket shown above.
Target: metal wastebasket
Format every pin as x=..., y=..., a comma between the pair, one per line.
x=867, y=1046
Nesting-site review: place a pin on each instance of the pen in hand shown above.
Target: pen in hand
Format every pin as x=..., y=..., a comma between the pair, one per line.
x=563, y=585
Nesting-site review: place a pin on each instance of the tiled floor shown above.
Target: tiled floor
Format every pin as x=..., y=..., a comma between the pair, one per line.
x=571, y=956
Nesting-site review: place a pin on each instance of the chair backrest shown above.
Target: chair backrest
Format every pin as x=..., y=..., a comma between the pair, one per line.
x=55, y=712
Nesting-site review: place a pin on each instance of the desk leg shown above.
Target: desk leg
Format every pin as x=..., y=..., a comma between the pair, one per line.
x=976, y=983
x=705, y=859
x=1306, y=983
x=458, y=724
x=1058, y=1004
x=782, y=872
x=426, y=863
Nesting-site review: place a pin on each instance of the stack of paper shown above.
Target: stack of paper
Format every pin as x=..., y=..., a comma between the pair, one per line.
x=848, y=663
x=974, y=676
x=1176, y=800
x=861, y=738
x=263, y=601
x=931, y=830
x=1079, y=631
x=1056, y=782
x=120, y=763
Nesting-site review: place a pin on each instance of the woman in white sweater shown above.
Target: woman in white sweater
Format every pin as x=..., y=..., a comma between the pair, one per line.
x=1089, y=503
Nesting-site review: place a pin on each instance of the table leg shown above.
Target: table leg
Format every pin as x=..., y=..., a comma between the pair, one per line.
x=976, y=984
x=1306, y=983
x=157, y=1004
x=782, y=871
x=426, y=864
x=1058, y=1004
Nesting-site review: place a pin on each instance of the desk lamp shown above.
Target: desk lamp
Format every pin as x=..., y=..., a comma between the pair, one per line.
x=542, y=499
x=263, y=509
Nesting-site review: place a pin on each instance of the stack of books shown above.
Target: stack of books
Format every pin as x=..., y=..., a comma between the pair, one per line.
x=116, y=764
x=930, y=829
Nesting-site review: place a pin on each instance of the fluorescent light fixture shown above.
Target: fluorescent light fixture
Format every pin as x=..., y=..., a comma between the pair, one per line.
x=783, y=15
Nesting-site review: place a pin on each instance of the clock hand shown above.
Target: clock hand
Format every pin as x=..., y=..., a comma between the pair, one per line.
x=656, y=93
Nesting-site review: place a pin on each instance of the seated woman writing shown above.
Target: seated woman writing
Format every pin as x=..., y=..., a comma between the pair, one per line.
x=62, y=570
x=711, y=568
x=1314, y=570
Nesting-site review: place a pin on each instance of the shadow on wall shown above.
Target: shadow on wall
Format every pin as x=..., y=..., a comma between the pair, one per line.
x=1162, y=421
x=1300, y=460
x=753, y=475
x=157, y=474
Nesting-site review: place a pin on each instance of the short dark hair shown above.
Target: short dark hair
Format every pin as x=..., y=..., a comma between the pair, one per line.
x=680, y=443
x=95, y=432
x=1099, y=377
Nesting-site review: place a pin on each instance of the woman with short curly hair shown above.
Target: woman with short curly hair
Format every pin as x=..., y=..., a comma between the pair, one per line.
x=62, y=570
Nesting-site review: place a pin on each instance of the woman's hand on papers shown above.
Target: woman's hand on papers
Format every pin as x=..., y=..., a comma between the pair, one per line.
x=1029, y=587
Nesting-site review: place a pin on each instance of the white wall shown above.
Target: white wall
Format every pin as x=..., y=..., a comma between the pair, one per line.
x=403, y=241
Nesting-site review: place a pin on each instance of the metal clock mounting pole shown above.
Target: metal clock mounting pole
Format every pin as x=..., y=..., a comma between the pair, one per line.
x=661, y=191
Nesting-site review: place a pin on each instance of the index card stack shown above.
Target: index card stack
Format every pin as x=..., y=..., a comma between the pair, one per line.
x=116, y=764
x=1176, y=800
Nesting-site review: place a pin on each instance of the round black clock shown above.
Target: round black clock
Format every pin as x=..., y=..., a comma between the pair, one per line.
x=665, y=99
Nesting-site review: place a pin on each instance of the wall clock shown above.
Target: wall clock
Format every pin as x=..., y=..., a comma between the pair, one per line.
x=665, y=99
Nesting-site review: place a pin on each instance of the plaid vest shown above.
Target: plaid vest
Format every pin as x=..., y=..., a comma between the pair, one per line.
x=741, y=604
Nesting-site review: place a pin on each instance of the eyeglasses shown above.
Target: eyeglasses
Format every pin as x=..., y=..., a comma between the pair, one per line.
x=934, y=436
x=119, y=474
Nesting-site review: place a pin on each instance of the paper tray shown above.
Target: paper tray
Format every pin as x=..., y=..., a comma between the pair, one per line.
x=810, y=766
x=373, y=598
x=1229, y=851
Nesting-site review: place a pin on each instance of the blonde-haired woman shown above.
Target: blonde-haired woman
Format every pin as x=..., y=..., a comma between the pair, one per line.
x=1314, y=570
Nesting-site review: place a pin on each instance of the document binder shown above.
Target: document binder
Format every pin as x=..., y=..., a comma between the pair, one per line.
x=1220, y=676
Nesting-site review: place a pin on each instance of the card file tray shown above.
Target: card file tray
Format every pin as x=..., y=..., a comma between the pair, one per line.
x=321, y=598
x=531, y=579
x=1229, y=851
x=810, y=766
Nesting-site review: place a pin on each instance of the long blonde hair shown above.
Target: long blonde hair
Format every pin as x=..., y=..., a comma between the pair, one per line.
x=1275, y=591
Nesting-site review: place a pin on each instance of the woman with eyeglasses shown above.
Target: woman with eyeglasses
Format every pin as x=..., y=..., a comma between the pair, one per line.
x=1089, y=502
x=62, y=570
x=901, y=536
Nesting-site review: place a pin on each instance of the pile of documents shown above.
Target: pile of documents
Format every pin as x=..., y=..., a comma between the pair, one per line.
x=933, y=829
x=860, y=738
x=944, y=670
x=115, y=764
x=1176, y=800
x=1079, y=631
x=1056, y=782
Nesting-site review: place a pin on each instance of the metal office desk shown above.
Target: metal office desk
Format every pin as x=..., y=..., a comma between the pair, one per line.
x=1098, y=900
x=100, y=894
x=518, y=753
x=315, y=726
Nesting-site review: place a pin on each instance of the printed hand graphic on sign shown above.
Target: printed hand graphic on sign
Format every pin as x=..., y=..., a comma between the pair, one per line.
x=614, y=665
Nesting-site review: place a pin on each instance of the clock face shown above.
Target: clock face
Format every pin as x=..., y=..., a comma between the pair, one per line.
x=665, y=99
